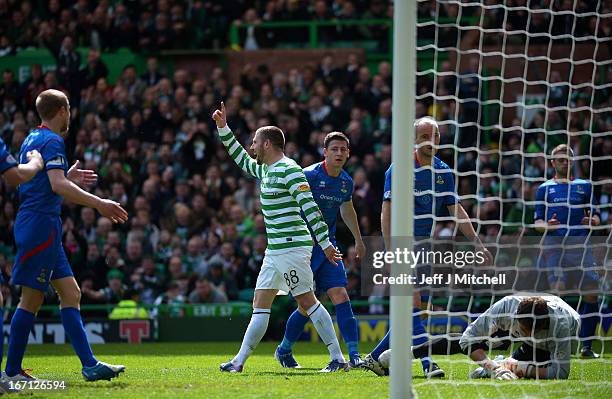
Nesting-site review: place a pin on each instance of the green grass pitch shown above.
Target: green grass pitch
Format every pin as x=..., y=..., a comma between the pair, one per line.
x=191, y=370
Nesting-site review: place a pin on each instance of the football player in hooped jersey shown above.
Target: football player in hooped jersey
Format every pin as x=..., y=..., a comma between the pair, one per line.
x=565, y=210
x=434, y=191
x=332, y=189
x=40, y=259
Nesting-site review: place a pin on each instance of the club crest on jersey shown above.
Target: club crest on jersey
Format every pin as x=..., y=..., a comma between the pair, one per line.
x=42, y=277
x=303, y=187
x=343, y=188
x=579, y=190
x=439, y=180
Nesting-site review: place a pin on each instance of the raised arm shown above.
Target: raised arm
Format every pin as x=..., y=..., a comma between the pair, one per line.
x=234, y=148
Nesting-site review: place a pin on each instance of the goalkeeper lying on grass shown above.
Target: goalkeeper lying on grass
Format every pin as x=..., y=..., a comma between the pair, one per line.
x=544, y=324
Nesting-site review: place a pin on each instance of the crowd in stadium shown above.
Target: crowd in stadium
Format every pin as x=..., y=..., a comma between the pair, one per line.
x=169, y=24
x=196, y=233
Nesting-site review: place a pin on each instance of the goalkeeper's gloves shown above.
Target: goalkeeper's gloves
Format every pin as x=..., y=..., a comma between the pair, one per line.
x=502, y=373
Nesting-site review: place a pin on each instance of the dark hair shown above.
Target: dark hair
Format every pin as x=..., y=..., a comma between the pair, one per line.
x=335, y=136
x=533, y=310
x=49, y=102
x=274, y=134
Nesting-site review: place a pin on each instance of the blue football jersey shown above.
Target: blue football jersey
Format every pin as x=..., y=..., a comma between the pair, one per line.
x=37, y=195
x=569, y=201
x=329, y=192
x=7, y=161
x=428, y=201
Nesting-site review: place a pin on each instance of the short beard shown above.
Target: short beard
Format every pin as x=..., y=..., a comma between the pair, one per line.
x=562, y=174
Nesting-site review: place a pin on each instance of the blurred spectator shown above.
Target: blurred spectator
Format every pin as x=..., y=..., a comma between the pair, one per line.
x=112, y=293
x=222, y=280
x=205, y=292
x=172, y=299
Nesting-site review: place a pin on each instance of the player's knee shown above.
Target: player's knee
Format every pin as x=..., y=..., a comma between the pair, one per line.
x=71, y=297
x=307, y=300
x=338, y=295
x=31, y=300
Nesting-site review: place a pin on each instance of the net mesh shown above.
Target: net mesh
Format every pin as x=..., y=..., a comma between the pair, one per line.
x=507, y=82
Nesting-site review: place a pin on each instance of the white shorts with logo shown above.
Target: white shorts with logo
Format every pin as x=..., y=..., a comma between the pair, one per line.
x=288, y=271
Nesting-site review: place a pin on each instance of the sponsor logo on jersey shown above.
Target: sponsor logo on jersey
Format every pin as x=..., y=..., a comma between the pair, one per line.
x=321, y=183
x=331, y=198
x=552, y=190
x=10, y=158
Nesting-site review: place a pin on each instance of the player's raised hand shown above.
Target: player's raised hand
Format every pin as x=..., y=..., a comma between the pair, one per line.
x=220, y=116
x=35, y=157
x=82, y=177
x=333, y=255
x=112, y=210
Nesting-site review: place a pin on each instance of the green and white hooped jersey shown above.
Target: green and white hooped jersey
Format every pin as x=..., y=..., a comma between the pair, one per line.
x=284, y=192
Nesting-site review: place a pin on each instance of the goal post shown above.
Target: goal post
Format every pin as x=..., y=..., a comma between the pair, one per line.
x=404, y=89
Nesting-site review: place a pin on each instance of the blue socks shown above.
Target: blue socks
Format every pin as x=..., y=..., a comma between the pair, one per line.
x=419, y=336
x=382, y=346
x=21, y=325
x=347, y=323
x=71, y=319
x=293, y=330
x=588, y=322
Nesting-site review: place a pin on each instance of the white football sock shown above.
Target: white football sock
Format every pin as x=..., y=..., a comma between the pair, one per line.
x=325, y=328
x=254, y=333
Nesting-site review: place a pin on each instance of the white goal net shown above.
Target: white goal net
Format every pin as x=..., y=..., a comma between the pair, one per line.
x=508, y=82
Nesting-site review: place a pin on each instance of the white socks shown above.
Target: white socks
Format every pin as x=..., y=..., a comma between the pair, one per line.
x=325, y=328
x=254, y=333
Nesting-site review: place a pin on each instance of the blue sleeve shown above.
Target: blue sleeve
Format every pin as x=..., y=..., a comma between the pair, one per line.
x=449, y=186
x=540, y=207
x=592, y=199
x=54, y=154
x=387, y=189
x=7, y=161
